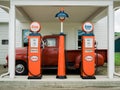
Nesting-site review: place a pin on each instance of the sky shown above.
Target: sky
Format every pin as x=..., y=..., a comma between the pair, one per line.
x=117, y=21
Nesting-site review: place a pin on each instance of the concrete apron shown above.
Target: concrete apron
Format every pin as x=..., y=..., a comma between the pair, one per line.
x=72, y=81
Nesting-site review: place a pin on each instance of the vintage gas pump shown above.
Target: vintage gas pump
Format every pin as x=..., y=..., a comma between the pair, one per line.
x=88, y=52
x=34, y=52
x=61, y=74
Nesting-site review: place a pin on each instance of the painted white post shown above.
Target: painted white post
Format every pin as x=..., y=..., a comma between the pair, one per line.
x=110, y=41
x=61, y=27
x=12, y=41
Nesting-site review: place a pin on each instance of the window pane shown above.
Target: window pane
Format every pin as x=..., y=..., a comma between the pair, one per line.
x=4, y=42
x=51, y=42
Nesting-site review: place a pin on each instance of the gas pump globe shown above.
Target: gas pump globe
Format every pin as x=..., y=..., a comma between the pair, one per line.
x=87, y=27
x=35, y=27
x=61, y=16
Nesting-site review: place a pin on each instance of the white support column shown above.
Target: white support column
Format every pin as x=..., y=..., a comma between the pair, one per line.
x=12, y=41
x=110, y=41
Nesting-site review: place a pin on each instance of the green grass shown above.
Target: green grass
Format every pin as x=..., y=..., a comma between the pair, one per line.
x=117, y=59
x=117, y=33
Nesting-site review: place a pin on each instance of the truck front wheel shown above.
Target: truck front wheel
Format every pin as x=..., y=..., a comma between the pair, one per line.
x=21, y=68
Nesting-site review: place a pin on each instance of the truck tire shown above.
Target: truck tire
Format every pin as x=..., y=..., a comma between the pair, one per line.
x=21, y=68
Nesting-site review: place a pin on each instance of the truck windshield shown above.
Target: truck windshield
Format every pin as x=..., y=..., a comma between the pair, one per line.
x=50, y=42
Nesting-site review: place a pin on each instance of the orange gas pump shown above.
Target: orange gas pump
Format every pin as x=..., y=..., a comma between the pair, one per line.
x=88, y=52
x=34, y=52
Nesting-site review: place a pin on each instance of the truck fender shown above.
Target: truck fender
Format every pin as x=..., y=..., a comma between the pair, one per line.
x=99, y=59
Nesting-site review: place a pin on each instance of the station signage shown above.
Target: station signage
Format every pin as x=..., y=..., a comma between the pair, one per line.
x=34, y=58
x=35, y=27
x=87, y=27
x=89, y=58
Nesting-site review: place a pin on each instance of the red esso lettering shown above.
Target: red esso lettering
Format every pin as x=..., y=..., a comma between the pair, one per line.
x=89, y=58
x=34, y=26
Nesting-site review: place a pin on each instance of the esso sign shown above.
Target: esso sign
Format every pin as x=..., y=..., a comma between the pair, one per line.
x=34, y=58
x=35, y=27
x=89, y=58
x=87, y=27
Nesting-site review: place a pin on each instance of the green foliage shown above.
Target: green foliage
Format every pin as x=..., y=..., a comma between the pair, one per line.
x=117, y=58
x=117, y=33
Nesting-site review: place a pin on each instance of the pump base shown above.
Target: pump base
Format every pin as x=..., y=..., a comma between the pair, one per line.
x=61, y=77
x=34, y=77
x=88, y=77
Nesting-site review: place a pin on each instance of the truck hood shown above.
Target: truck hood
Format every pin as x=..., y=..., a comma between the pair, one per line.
x=22, y=50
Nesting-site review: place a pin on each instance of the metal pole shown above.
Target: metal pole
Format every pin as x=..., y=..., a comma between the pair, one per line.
x=61, y=27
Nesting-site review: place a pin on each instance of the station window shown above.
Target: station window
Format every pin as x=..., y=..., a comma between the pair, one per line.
x=25, y=34
x=80, y=33
x=4, y=42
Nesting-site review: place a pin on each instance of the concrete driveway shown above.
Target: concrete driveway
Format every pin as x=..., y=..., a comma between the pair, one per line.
x=49, y=82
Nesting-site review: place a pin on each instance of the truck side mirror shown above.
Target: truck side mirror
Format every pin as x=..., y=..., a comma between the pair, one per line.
x=45, y=42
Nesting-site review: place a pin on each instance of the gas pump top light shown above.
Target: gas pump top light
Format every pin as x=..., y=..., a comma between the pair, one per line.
x=87, y=27
x=61, y=15
x=35, y=27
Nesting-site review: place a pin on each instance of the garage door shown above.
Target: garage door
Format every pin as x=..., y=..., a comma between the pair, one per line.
x=3, y=42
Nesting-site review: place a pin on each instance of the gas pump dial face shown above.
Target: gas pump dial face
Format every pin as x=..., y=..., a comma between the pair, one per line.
x=87, y=27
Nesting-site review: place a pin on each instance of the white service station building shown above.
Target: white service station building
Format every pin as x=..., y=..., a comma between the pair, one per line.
x=23, y=12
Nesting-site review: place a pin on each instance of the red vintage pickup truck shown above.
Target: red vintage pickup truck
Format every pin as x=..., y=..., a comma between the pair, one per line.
x=50, y=56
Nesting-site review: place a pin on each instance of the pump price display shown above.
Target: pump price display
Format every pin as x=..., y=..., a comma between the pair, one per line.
x=88, y=43
x=34, y=42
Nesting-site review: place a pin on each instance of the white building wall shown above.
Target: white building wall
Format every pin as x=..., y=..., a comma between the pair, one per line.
x=101, y=33
x=4, y=17
x=3, y=36
x=70, y=29
x=19, y=27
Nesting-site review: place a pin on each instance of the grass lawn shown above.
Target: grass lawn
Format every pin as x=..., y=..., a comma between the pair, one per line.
x=117, y=59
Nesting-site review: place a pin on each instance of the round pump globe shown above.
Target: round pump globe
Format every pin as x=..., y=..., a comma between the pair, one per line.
x=61, y=15
x=35, y=27
x=87, y=27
